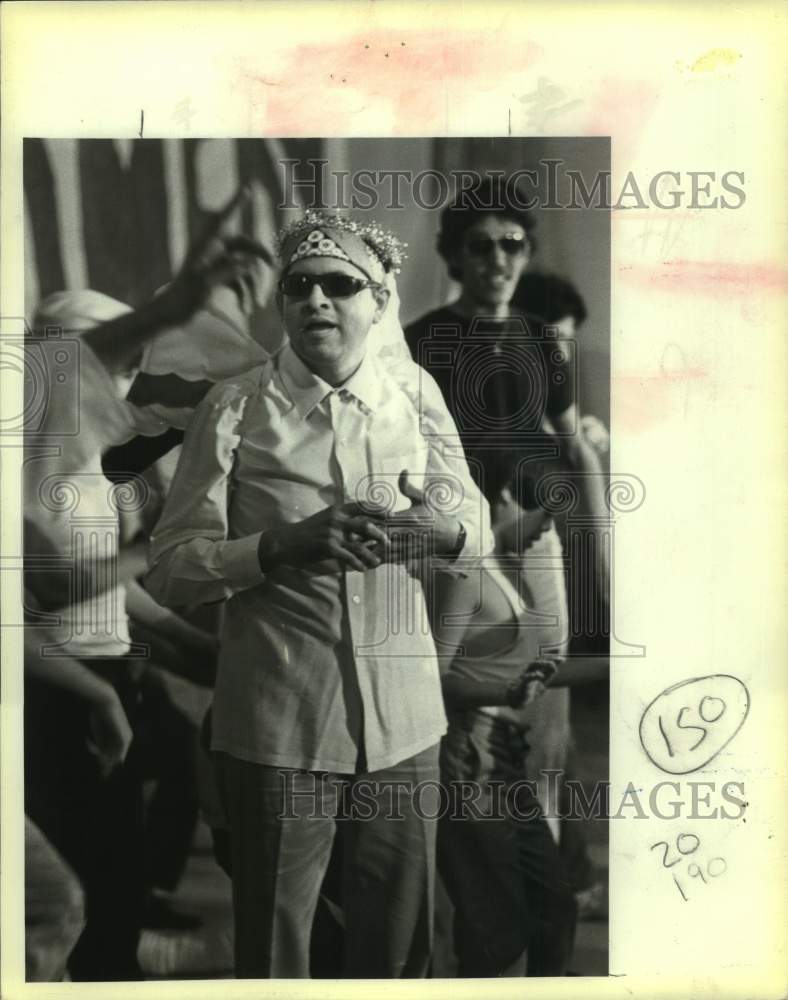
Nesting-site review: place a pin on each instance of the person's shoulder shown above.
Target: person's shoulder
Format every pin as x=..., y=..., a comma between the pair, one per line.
x=443, y=314
x=225, y=403
x=422, y=326
x=239, y=387
x=413, y=383
x=532, y=325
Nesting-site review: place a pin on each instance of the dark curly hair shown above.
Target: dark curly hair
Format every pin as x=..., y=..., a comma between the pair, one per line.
x=494, y=195
x=549, y=297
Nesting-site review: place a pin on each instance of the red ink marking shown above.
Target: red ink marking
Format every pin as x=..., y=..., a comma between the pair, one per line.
x=620, y=107
x=641, y=401
x=411, y=79
x=698, y=277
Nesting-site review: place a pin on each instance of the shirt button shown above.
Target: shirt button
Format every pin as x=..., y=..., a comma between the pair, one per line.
x=356, y=599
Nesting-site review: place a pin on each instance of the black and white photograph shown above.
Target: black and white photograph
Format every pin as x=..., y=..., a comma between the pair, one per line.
x=393, y=439
x=328, y=692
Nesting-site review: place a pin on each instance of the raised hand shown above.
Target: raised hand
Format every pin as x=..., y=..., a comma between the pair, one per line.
x=421, y=530
x=217, y=258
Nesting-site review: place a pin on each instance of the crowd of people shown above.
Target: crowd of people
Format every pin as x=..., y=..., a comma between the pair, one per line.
x=347, y=544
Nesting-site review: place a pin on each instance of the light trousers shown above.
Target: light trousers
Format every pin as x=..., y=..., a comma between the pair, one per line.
x=282, y=826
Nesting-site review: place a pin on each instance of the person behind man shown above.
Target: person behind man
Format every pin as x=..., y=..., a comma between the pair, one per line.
x=509, y=390
x=559, y=307
x=499, y=380
x=557, y=303
x=88, y=804
x=324, y=679
x=54, y=898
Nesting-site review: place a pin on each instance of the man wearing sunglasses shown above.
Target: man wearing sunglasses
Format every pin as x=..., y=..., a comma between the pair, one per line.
x=503, y=385
x=498, y=377
x=297, y=501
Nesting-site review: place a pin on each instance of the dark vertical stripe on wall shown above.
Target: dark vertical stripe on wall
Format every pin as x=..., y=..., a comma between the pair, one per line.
x=125, y=219
x=108, y=220
x=254, y=163
x=150, y=251
x=39, y=188
x=305, y=150
x=197, y=218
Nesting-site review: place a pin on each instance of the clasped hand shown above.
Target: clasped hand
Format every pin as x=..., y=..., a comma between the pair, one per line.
x=531, y=683
x=359, y=536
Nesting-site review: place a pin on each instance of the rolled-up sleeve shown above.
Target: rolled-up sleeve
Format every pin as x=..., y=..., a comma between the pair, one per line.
x=192, y=561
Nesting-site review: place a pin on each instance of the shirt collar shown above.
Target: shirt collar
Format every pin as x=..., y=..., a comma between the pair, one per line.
x=365, y=383
x=307, y=390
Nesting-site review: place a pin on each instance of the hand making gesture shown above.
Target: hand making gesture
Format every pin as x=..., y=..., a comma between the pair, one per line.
x=218, y=258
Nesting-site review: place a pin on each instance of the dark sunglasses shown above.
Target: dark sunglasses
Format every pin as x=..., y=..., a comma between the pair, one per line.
x=333, y=285
x=482, y=246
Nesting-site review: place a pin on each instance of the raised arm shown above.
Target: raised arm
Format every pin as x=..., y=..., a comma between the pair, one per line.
x=464, y=692
x=215, y=259
x=583, y=467
x=465, y=611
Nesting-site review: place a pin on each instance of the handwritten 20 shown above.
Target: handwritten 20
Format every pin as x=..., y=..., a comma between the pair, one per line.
x=686, y=845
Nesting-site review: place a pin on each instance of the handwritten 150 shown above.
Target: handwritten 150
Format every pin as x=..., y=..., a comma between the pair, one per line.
x=685, y=848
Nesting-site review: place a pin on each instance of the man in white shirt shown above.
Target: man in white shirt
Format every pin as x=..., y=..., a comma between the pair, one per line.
x=328, y=675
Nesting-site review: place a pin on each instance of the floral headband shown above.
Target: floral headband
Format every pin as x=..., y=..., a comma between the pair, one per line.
x=366, y=245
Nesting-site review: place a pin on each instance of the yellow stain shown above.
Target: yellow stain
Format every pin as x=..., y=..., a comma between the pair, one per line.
x=715, y=59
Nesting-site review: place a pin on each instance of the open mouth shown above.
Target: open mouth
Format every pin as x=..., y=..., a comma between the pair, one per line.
x=497, y=280
x=319, y=326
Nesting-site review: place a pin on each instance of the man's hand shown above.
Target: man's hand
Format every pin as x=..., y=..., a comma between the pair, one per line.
x=110, y=732
x=347, y=533
x=217, y=259
x=531, y=683
x=420, y=531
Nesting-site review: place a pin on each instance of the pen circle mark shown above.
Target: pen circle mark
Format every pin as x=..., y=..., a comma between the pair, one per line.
x=688, y=724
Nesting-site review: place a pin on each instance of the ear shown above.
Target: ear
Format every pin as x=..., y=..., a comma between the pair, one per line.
x=381, y=296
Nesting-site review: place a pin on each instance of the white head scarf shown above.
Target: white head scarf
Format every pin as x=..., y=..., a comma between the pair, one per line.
x=389, y=344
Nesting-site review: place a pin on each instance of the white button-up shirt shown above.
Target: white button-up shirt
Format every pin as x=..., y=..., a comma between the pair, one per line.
x=317, y=664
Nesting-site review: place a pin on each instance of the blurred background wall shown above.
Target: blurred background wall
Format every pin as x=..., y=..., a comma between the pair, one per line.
x=118, y=215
